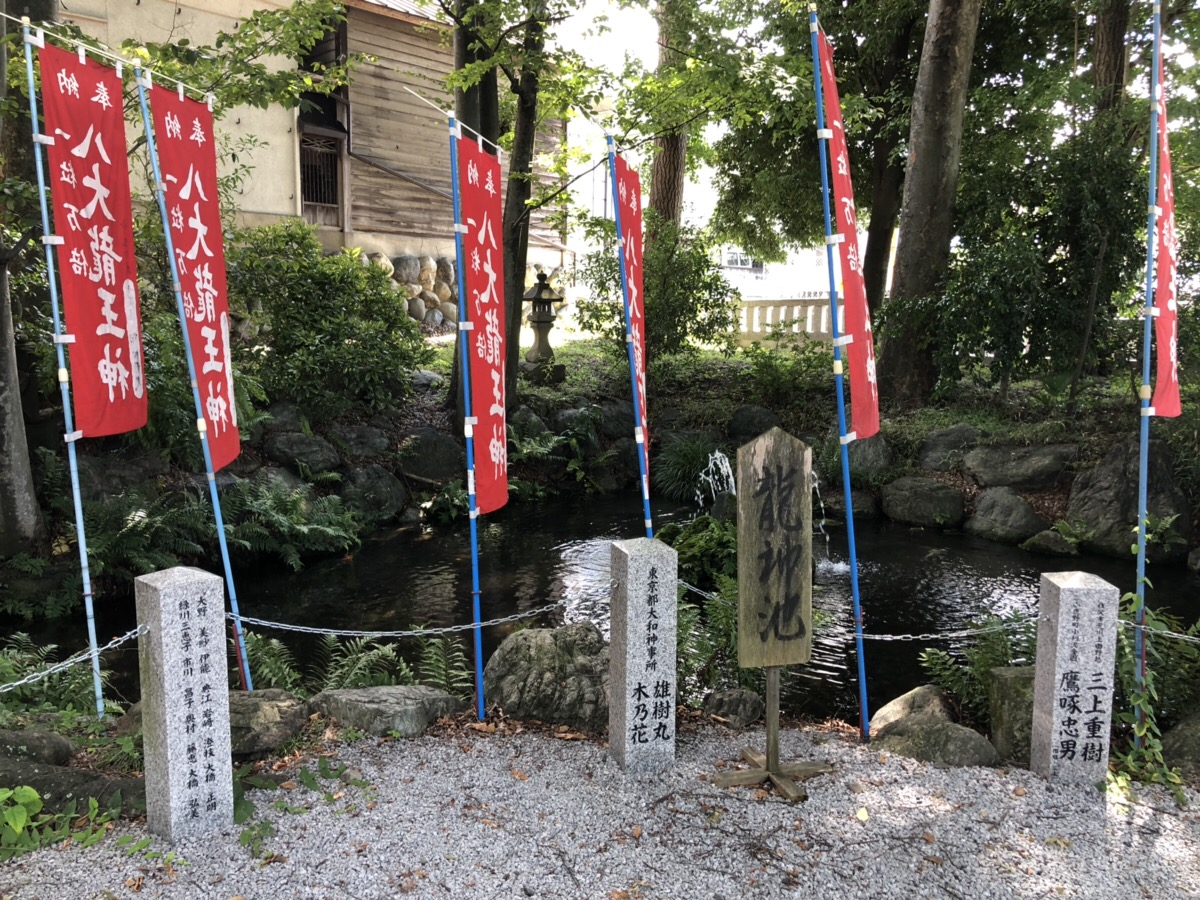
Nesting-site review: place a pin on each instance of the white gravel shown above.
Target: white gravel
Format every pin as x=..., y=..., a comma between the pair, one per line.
x=481, y=816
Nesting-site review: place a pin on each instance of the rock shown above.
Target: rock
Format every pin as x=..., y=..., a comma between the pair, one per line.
x=413, y=289
x=59, y=785
x=926, y=702
x=294, y=449
x=425, y=380
x=1181, y=745
x=445, y=270
x=1104, y=499
x=449, y=312
x=1003, y=515
x=416, y=309
x=113, y=474
x=526, y=422
x=916, y=500
x=433, y=317
x=442, y=291
x=940, y=743
x=357, y=441
x=406, y=269
x=429, y=298
x=748, y=422
x=403, y=710
x=1050, y=543
x=943, y=450
x=288, y=481
x=285, y=416
x=616, y=419
x=382, y=262
x=429, y=456
x=262, y=722
x=739, y=706
x=37, y=746
x=724, y=507
x=374, y=493
x=1193, y=560
x=1023, y=468
x=556, y=675
x=580, y=422
x=1010, y=708
x=866, y=504
x=428, y=273
x=870, y=457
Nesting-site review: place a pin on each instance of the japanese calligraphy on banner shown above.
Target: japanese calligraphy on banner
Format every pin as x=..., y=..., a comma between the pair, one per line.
x=483, y=275
x=183, y=132
x=860, y=352
x=89, y=183
x=629, y=196
x=1166, y=326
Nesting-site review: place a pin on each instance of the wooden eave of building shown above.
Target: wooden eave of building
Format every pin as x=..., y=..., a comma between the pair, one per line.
x=403, y=11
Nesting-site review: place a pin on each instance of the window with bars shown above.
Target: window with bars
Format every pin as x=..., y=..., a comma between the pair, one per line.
x=319, y=178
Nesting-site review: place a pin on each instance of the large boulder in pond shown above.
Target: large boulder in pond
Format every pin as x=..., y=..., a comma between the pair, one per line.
x=556, y=675
x=749, y=421
x=398, y=710
x=1181, y=745
x=36, y=746
x=1010, y=709
x=1003, y=515
x=374, y=493
x=870, y=457
x=1105, y=500
x=916, y=500
x=429, y=456
x=1050, y=543
x=944, y=450
x=1022, y=468
x=295, y=450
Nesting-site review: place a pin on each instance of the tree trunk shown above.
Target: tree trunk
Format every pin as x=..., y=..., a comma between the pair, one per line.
x=907, y=373
x=516, y=200
x=1109, y=54
x=20, y=518
x=887, y=181
x=668, y=173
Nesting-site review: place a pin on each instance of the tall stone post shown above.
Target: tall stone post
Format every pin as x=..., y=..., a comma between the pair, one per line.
x=185, y=703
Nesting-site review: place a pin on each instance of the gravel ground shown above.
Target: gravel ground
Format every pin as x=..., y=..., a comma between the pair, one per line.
x=467, y=814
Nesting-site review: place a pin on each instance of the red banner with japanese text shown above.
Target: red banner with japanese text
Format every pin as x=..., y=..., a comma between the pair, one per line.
x=483, y=275
x=89, y=183
x=1166, y=326
x=187, y=157
x=629, y=198
x=856, y=315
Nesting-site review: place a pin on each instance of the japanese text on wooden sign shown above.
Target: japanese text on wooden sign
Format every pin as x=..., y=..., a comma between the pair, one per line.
x=629, y=195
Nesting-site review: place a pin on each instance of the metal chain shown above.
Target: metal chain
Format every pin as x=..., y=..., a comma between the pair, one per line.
x=705, y=594
x=1154, y=632
x=84, y=656
x=950, y=635
x=424, y=632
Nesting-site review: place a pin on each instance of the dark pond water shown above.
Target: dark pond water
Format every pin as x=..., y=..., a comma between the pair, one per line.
x=911, y=581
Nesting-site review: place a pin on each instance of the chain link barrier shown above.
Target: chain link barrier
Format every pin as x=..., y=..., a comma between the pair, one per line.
x=84, y=656
x=1155, y=632
x=422, y=632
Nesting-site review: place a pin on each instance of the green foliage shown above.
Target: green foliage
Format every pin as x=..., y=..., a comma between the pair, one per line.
x=795, y=368
x=25, y=828
x=272, y=663
x=356, y=663
x=443, y=665
x=124, y=753
x=707, y=550
x=1074, y=532
x=70, y=690
x=451, y=502
x=1160, y=533
x=339, y=335
x=676, y=469
x=688, y=302
x=1011, y=640
x=706, y=644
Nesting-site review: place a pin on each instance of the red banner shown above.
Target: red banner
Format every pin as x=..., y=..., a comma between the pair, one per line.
x=629, y=198
x=856, y=315
x=187, y=157
x=89, y=182
x=1166, y=326
x=483, y=274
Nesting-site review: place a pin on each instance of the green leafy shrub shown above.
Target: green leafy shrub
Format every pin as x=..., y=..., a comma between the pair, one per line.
x=443, y=665
x=795, y=367
x=676, y=469
x=356, y=663
x=269, y=519
x=339, y=334
x=70, y=690
x=25, y=828
x=707, y=550
x=689, y=304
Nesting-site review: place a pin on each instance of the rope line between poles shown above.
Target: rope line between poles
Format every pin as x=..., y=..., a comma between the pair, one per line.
x=422, y=632
x=82, y=657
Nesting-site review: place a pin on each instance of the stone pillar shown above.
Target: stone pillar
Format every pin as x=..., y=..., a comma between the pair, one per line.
x=1073, y=684
x=185, y=703
x=641, y=718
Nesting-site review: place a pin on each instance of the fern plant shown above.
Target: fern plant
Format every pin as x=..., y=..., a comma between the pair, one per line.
x=444, y=666
x=356, y=663
x=71, y=690
x=272, y=663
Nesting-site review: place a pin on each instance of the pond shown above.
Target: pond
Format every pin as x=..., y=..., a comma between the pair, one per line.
x=912, y=581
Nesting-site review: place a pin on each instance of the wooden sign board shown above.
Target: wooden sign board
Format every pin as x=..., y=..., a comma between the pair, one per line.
x=774, y=494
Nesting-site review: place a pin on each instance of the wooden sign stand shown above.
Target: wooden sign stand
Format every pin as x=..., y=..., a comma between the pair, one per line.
x=774, y=493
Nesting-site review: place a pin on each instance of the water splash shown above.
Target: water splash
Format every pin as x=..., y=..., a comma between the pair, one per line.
x=816, y=486
x=716, y=479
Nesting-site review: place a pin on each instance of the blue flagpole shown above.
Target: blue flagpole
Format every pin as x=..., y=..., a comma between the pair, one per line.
x=830, y=240
x=64, y=384
x=639, y=427
x=1139, y=639
x=143, y=82
x=465, y=325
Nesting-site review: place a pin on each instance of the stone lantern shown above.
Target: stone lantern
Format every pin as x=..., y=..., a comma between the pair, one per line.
x=541, y=319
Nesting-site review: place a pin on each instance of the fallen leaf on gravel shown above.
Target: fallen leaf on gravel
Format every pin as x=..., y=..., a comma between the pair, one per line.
x=1061, y=843
x=339, y=795
x=862, y=815
x=485, y=727
x=637, y=831
x=519, y=775
x=936, y=860
x=1020, y=792
x=760, y=794
x=883, y=757
x=371, y=804
x=288, y=785
x=135, y=884
x=929, y=838
x=570, y=736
